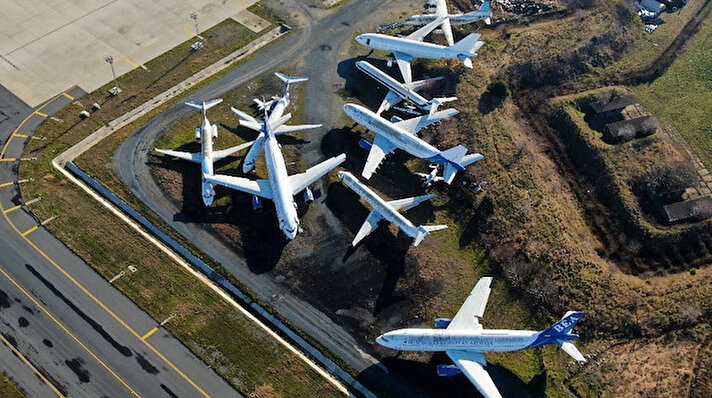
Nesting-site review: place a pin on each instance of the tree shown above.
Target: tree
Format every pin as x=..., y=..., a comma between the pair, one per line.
x=499, y=89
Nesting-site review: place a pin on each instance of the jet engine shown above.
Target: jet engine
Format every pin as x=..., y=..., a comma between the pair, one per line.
x=256, y=204
x=448, y=370
x=442, y=323
x=197, y=133
x=214, y=128
x=363, y=143
x=389, y=63
x=308, y=195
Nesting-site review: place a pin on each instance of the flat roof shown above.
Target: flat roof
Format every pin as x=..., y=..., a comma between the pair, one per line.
x=689, y=209
x=618, y=102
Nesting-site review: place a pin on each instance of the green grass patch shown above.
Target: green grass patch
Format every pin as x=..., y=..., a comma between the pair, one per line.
x=8, y=389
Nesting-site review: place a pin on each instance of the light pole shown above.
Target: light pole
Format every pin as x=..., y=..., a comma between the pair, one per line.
x=198, y=44
x=115, y=90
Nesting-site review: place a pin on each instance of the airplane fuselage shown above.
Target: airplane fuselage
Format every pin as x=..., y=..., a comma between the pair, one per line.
x=455, y=19
x=380, y=205
x=413, y=48
x=487, y=340
x=399, y=137
x=393, y=85
x=284, y=202
x=206, y=149
x=276, y=111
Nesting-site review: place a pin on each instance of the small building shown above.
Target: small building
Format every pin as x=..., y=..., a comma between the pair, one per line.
x=626, y=130
x=689, y=210
x=614, y=106
x=654, y=8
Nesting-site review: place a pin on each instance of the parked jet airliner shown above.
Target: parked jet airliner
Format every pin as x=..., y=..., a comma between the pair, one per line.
x=279, y=186
x=483, y=13
x=401, y=134
x=398, y=92
x=465, y=341
x=206, y=157
x=406, y=49
x=387, y=210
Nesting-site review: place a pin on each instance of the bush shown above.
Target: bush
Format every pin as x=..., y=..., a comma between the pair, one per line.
x=499, y=89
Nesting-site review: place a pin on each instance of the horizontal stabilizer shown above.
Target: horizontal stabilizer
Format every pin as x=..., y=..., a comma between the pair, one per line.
x=468, y=45
x=413, y=125
x=425, y=230
x=256, y=125
x=244, y=116
x=409, y=203
x=191, y=157
x=290, y=79
x=260, y=188
x=223, y=153
x=262, y=105
x=204, y=106
x=571, y=349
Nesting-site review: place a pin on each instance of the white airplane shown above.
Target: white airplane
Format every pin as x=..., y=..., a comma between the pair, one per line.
x=401, y=134
x=206, y=157
x=483, y=13
x=405, y=49
x=465, y=341
x=279, y=186
x=387, y=210
x=398, y=92
x=277, y=118
x=430, y=178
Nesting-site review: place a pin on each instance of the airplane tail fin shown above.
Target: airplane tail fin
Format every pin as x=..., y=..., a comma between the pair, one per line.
x=436, y=102
x=205, y=105
x=565, y=324
x=425, y=230
x=485, y=7
x=560, y=333
x=467, y=47
x=289, y=80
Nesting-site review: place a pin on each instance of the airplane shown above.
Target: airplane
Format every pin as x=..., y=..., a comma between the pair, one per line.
x=277, y=118
x=387, y=210
x=405, y=49
x=430, y=178
x=206, y=157
x=465, y=341
x=398, y=92
x=401, y=134
x=279, y=186
x=483, y=13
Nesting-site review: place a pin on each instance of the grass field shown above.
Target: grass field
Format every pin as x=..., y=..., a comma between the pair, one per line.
x=683, y=95
x=217, y=333
x=8, y=389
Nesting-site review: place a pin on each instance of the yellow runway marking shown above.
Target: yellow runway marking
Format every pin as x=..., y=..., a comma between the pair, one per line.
x=150, y=332
x=86, y=291
x=188, y=31
x=64, y=328
x=7, y=159
x=18, y=135
x=28, y=363
x=6, y=184
x=29, y=231
x=243, y=3
x=69, y=97
x=11, y=209
x=132, y=63
x=38, y=113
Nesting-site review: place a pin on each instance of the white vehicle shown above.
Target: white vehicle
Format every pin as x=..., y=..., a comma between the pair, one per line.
x=206, y=157
x=483, y=13
x=279, y=186
x=406, y=49
x=401, y=134
x=430, y=178
x=465, y=341
x=276, y=107
x=398, y=92
x=387, y=210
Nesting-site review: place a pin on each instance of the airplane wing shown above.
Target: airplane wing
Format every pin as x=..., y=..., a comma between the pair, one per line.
x=191, y=157
x=415, y=124
x=472, y=365
x=391, y=99
x=275, y=124
x=447, y=31
x=286, y=129
x=379, y=149
x=223, y=153
x=244, y=116
x=300, y=181
x=420, y=34
x=473, y=307
x=368, y=226
x=254, y=187
x=409, y=203
x=403, y=60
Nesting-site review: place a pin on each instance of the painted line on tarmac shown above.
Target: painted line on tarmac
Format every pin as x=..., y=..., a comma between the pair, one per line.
x=150, y=332
x=31, y=366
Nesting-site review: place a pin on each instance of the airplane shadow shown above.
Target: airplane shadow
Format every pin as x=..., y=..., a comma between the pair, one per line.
x=424, y=376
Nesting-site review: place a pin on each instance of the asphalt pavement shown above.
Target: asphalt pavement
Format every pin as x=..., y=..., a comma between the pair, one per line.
x=65, y=330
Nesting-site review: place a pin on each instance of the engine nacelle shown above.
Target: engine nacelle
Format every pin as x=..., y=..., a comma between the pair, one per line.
x=365, y=144
x=442, y=323
x=389, y=63
x=308, y=195
x=395, y=119
x=256, y=204
x=215, y=130
x=197, y=133
x=448, y=370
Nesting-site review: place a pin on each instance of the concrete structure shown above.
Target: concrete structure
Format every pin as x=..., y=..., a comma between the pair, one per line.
x=47, y=47
x=689, y=210
x=626, y=130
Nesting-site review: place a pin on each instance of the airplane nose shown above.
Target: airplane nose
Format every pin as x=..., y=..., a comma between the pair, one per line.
x=359, y=39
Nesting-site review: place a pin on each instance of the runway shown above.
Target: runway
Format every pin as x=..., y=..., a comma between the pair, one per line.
x=66, y=331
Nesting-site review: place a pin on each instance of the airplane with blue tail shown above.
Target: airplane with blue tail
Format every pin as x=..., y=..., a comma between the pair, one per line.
x=464, y=340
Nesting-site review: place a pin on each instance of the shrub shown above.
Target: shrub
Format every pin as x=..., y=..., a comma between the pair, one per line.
x=499, y=89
